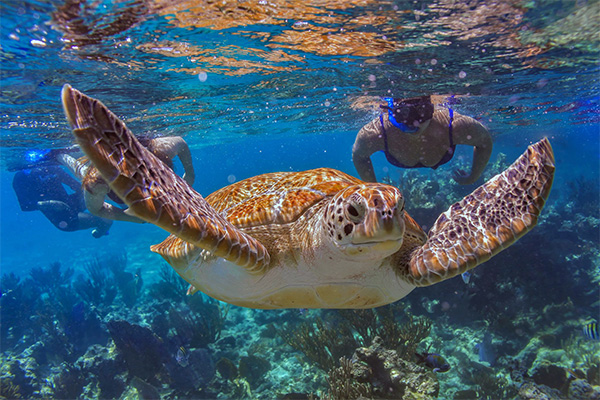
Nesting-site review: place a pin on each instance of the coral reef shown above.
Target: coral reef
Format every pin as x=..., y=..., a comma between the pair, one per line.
x=201, y=323
x=169, y=287
x=343, y=385
x=486, y=382
x=143, y=351
x=69, y=383
x=324, y=343
x=321, y=344
x=129, y=284
x=375, y=372
x=253, y=369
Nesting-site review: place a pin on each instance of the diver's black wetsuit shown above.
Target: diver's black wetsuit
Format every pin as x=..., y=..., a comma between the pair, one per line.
x=43, y=189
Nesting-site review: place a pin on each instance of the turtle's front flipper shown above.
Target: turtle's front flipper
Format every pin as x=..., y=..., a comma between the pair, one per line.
x=488, y=220
x=152, y=190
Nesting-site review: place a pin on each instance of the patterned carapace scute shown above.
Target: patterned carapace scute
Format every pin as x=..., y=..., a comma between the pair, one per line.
x=278, y=197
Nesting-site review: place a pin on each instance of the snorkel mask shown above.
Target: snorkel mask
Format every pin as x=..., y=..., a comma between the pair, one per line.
x=408, y=114
x=34, y=156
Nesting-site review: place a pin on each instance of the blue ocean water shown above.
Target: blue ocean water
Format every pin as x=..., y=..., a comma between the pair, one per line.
x=265, y=86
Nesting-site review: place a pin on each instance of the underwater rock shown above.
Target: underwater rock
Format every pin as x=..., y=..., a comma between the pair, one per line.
x=143, y=351
x=202, y=364
x=390, y=376
x=253, y=369
x=431, y=188
x=37, y=352
x=529, y=353
x=83, y=328
x=200, y=369
x=227, y=341
x=226, y=369
x=550, y=375
x=160, y=325
x=580, y=389
x=69, y=383
x=531, y=391
x=145, y=390
x=107, y=368
x=17, y=376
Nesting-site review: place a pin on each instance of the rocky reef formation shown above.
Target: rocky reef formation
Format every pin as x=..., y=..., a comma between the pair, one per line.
x=376, y=372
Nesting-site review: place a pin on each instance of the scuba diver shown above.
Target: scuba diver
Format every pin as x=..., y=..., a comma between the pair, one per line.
x=43, y=188
x=413, y=134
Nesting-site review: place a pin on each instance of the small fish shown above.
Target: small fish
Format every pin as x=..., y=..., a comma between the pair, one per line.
x=576, y=374
x=486, y=350
x=591, y=331
x=434, y=361
x=466, y=276
x=182, y=357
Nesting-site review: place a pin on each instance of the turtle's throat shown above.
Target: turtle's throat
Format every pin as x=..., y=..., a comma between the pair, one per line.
x=380, y=249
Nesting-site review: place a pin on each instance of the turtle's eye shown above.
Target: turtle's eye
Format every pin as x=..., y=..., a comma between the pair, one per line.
x=352, y=211
x=355, y=211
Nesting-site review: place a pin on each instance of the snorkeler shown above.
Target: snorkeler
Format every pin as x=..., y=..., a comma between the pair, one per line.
x=43, y=188
x=412, y=134
x=96, y=190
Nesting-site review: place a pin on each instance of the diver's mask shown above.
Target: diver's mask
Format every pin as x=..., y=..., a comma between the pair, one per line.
x=408, y=114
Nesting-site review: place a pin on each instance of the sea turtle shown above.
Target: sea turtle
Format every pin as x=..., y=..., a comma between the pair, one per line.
x=312, y=239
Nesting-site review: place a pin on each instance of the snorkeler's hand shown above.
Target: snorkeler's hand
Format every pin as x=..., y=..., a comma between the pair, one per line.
x=461, y=177
x=189, y=177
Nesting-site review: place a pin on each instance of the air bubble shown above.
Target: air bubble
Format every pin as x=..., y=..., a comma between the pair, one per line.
x=37, y=43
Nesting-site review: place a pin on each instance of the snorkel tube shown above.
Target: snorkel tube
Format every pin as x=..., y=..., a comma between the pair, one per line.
x=448, y=104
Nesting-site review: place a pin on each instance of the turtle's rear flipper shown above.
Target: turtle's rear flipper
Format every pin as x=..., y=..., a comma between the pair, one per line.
x=152, y=190
x=488, y=220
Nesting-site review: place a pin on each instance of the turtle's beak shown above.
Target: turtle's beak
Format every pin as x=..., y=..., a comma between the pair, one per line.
x=379, y=226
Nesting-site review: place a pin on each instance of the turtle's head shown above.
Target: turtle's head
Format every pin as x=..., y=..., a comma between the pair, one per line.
x=366, y=220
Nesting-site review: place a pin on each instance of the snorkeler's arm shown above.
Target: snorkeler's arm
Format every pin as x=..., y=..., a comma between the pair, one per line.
x=467, y=130
x=368, y=141
x=96, y=205
x=77, y=167
x=167, y=148
x=185, y=156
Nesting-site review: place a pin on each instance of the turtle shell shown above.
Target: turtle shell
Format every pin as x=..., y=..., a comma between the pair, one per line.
x=278, y=197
